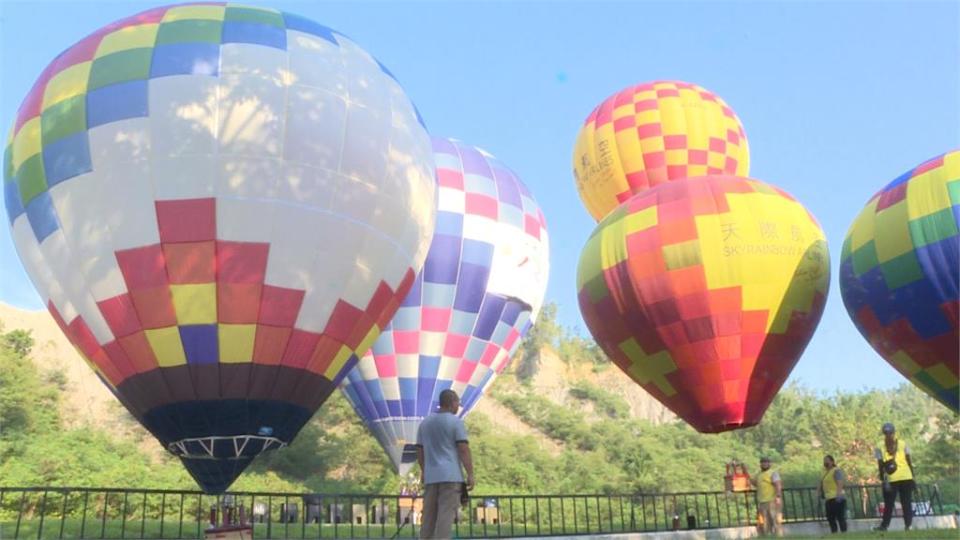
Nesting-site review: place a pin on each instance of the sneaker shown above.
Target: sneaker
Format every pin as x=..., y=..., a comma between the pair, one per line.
x=880, y=528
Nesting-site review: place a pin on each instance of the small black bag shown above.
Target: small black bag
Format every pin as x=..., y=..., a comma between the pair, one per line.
x=890, y=466
x=464, y=496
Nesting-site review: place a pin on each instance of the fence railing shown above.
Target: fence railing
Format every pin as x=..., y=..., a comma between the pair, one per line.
x=62, y=512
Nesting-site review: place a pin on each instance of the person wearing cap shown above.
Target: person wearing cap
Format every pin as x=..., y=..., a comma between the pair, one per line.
x=896, y=471
x=831, y=491
x=769, y=498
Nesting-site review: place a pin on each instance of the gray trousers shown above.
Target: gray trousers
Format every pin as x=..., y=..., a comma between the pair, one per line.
x=440, y=503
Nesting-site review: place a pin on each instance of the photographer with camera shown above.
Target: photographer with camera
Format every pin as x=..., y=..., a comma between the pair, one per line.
x=896, y=471
x=443, y=454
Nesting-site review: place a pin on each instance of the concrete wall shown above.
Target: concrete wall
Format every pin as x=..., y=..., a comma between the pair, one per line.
x=804, y=529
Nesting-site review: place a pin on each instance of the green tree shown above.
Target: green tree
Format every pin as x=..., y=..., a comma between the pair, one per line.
x=544, y=333
x=607, y=452
x=27, y=403
x=19, y=341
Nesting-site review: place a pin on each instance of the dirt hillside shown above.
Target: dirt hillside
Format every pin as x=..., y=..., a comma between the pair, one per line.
x=88, y=402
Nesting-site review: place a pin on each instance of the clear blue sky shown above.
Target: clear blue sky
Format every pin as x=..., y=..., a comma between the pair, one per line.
x=836, y=99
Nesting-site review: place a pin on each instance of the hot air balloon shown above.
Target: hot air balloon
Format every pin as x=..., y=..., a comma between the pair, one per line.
x=900, y=275
x=705, y=291
x=653, y=133
x=480, y=290
x=220, y=205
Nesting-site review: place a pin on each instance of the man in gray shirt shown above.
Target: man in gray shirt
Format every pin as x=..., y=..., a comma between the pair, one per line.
x=442, y=449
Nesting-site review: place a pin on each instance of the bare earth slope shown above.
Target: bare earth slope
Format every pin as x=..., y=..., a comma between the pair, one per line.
x=555, y=378
x=85, y=397
x=87, y=402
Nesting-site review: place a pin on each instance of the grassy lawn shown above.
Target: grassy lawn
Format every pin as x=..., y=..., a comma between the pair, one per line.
x=94, y=528
x=114, y=529
x=931, y=534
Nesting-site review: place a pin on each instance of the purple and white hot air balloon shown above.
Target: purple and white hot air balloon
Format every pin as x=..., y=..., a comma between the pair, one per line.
x=480, y=291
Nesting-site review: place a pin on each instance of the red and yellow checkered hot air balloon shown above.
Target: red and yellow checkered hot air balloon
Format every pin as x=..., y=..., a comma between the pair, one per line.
x=706, y=291
x=653, y=133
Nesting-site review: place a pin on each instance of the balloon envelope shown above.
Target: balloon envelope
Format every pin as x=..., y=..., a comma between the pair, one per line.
x=479, y=292
x=705, y=291
x=653, y=133
x=900, y=275
x=220, y=205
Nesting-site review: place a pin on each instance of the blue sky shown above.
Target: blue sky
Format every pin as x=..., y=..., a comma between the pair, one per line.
x=836, y=99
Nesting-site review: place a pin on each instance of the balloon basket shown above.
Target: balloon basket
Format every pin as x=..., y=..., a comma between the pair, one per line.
x=228, y=521
x=737, y=479
x=237, y=532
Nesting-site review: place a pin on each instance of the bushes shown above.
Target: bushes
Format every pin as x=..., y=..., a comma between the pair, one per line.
x=612, y=405
x=611, y=453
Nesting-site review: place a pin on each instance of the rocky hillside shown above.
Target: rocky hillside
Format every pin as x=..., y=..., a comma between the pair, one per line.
x=85, y=397
x=88, y=402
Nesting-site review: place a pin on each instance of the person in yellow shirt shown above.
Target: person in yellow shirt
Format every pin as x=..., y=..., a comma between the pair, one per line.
x=769, y=498
x=831, y=490
x=896, y=471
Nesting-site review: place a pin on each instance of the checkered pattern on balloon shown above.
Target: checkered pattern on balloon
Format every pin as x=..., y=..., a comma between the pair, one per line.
x=184, y=215
x=899, y=275
x=705, y=291
x=480, y=290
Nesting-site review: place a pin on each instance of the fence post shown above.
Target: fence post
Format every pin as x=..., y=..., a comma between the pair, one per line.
x=103, y=521
x=23, y=497
x=43, y=511
x=63, y=512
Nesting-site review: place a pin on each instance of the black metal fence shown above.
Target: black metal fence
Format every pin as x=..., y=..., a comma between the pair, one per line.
x=54, y=512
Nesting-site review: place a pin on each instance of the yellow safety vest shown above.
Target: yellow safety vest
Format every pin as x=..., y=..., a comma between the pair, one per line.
x=829, y=484
x=903, y=471
x=766, y=491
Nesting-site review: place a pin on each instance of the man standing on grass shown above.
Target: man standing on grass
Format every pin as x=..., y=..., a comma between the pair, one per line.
x=769, y=498
x=443, y=453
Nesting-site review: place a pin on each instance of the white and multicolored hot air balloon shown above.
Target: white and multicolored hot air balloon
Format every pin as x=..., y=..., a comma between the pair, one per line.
x=220, y=205
x=480, y=290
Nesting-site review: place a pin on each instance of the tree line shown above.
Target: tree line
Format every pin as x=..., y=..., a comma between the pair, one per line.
x=605, y=452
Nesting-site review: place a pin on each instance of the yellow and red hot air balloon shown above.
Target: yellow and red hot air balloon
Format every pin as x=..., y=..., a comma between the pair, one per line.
x=653, y=133
x=706, y=291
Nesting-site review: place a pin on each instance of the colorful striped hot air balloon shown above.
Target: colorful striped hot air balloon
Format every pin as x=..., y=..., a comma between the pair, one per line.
x=220, y=205
x=652, y=133
x=900, y=275
x=479, y=292
x=706, y=291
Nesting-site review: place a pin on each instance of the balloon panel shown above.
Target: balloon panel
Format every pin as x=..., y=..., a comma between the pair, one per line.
x=899, y=275
x=705, y=291
x=652, y=133
x=220, y=205
x=480, y=290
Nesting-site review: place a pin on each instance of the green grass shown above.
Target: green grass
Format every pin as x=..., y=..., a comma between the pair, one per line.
x=925, y=534
x=114, y=529
x=95, y=528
